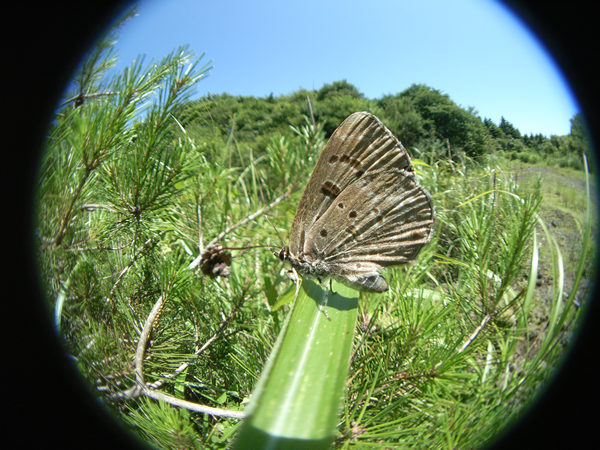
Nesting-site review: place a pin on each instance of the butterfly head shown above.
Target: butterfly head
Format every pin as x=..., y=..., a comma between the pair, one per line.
x=283, y=254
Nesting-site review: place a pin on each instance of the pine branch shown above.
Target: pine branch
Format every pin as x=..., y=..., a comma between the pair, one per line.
x=149, y=390
x=129, y=265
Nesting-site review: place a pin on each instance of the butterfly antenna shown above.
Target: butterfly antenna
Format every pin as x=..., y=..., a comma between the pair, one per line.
x=248, y=247
x=276, y=231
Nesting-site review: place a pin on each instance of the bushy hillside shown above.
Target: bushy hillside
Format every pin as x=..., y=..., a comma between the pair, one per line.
x=422, y=117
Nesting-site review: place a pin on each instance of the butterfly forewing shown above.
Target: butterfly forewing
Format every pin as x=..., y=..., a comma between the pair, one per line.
x=362, y=209
x=361, y=143
x=387, y=228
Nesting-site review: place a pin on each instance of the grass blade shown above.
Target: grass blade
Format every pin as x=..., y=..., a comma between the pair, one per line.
x=297, y=400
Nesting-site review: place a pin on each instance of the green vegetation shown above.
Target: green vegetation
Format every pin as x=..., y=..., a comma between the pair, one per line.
x=138, y=182
x=421, y=116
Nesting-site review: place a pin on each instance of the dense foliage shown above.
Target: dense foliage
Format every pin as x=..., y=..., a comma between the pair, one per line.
x=422, y=117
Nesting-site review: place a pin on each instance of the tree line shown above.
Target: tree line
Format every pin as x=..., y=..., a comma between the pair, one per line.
x=422, y=117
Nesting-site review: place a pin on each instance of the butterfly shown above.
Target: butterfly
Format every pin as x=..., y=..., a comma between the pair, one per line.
x=362, y=210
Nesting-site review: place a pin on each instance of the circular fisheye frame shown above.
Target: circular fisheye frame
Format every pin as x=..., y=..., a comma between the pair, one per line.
x=446, y=156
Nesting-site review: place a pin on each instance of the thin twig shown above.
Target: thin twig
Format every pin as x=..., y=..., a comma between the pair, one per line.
x=403, y=376
x=95, y=249
x=157, y=395
x=143, y=342
x=141, y=388
x=87, y=96
x=127, y=267
x=199, y=207
x=252, y=216
x=475, y=333
x=95, y=206
x=312, y=116
x=200, y=349
x=470, y=339
x=62, y=229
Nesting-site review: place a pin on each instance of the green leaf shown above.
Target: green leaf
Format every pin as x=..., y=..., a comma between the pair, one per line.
x=297, y=400
x=222, y=398
x=285, y=298
x=270, y=291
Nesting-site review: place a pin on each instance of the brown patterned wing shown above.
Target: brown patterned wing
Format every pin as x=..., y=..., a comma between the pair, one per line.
x=360, y=148
x=385, y=218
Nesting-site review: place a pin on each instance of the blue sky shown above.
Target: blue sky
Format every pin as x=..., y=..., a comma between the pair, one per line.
x=475, y=51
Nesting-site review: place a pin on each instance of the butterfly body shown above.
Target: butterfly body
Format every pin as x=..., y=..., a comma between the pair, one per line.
x=362, y=210
x=321, y=270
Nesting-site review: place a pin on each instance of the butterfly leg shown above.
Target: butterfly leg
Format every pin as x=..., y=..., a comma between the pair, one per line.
x=326, y=299
x=296, y=279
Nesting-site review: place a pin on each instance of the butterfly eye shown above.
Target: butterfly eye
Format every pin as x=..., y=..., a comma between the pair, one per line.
x=323, y=233
x=352, y=214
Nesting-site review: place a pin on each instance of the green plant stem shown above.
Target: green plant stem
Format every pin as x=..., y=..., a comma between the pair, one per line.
x=296, y=403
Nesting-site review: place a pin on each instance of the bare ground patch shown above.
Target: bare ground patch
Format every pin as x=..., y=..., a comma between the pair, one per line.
x=564, y=220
